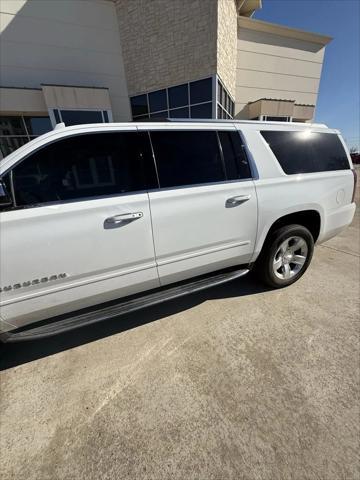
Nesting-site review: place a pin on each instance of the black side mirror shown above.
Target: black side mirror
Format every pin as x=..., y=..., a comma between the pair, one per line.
x=5, y=197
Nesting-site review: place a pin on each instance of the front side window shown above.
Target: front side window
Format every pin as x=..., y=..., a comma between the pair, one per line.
x=187, y=157
x=307, y=152
x=85, y=166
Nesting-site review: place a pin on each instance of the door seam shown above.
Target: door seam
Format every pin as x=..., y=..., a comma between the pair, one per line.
x=153, y=239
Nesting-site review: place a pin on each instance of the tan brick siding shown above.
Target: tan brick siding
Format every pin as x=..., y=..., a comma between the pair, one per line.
x=165, y=42
x=227, y=44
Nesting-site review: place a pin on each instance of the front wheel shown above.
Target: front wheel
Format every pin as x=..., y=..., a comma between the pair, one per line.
x=286, y=256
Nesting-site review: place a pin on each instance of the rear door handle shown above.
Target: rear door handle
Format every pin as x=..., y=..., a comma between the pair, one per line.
x=124, y=218
x=234, y=201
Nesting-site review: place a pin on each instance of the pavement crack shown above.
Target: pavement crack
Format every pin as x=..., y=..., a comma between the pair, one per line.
x=340, y=251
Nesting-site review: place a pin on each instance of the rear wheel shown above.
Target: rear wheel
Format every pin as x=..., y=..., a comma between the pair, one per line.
x=285, y=256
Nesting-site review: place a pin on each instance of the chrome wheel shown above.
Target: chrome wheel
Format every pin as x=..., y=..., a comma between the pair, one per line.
x=290, y=257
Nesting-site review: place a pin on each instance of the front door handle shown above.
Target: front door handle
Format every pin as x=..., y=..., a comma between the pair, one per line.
x=235, y=201
x=124, y=218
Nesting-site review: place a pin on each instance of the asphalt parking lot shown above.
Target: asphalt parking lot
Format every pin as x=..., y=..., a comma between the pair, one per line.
x=237, y=382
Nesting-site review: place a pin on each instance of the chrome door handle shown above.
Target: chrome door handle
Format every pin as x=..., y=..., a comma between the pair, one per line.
x=234, y=201
x=124, y=218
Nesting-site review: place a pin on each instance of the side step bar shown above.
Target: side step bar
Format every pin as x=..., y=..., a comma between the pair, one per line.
x=115, y=310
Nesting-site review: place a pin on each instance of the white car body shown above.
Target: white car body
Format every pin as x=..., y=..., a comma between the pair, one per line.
x=183, y=232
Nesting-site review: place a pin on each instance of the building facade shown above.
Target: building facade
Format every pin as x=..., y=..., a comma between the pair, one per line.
x=89, y=61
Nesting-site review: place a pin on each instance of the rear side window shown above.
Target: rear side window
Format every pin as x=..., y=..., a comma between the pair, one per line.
x=85, y=166
x=307, y=152
x=187, y=157
x=236, y=162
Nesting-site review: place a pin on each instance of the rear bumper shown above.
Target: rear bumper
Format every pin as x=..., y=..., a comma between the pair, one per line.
x=336, y=221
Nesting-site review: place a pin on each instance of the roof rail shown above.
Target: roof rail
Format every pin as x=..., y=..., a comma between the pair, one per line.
x=161, y=119
x=215, y=120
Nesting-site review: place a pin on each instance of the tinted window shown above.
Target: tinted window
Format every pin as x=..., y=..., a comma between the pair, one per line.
x=160, y=115
x=57, y=115
x=201, y=111
x=78, y=117
x=38, y=125
x=9, y=144
x=178, y=96
x=12, y=126
x=85, y=166
x=187, y=157
x=179, y=113
x=277, y=119
x=157, y=101
x=139, y=105
x=235, y=159
x=201, y=91
x=306, y=152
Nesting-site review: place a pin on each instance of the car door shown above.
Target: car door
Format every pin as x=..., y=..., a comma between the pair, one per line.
x=205, y=213
x=80, y=231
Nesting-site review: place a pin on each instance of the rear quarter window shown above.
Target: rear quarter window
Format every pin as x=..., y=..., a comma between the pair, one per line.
x=307, y=152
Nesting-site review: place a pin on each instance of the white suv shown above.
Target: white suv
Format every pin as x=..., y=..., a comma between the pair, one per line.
x=99, y=220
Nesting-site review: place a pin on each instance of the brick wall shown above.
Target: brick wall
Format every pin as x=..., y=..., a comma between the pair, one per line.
x=165, y=42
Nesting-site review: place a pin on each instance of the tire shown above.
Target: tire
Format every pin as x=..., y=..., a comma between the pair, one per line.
x=291, y=242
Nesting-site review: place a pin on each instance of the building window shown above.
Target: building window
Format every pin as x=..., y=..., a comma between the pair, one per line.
x=267, y=118
x=201, y=91
x=225, y=104
x=139, y=105
x=201, y=111
x=158, y=101
x=179, y=112
x=193, y=99
x=15, y=131
x=79, y=117
x=178, y=96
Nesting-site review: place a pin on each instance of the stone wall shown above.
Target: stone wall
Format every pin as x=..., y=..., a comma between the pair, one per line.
x=168, y=42
x=227, y=44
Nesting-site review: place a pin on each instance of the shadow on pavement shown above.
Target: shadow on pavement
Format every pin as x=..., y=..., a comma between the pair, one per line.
x=16, y=354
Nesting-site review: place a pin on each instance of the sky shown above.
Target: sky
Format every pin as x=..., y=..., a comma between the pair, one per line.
x=339, y=94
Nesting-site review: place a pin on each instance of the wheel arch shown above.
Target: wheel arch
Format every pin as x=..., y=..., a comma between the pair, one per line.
x=310, y=219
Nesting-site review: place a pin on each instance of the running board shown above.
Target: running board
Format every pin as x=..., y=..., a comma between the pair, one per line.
x=121, y=308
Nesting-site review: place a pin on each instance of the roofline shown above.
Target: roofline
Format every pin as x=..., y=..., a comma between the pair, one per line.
x=281, y=100
x=261, y=26
x=247, y=8
x=73, y=86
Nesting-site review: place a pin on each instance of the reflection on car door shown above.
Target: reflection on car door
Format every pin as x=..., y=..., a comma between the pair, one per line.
x=81, y=232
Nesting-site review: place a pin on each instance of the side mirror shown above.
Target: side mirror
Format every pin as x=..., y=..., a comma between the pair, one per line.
x=5, y=197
